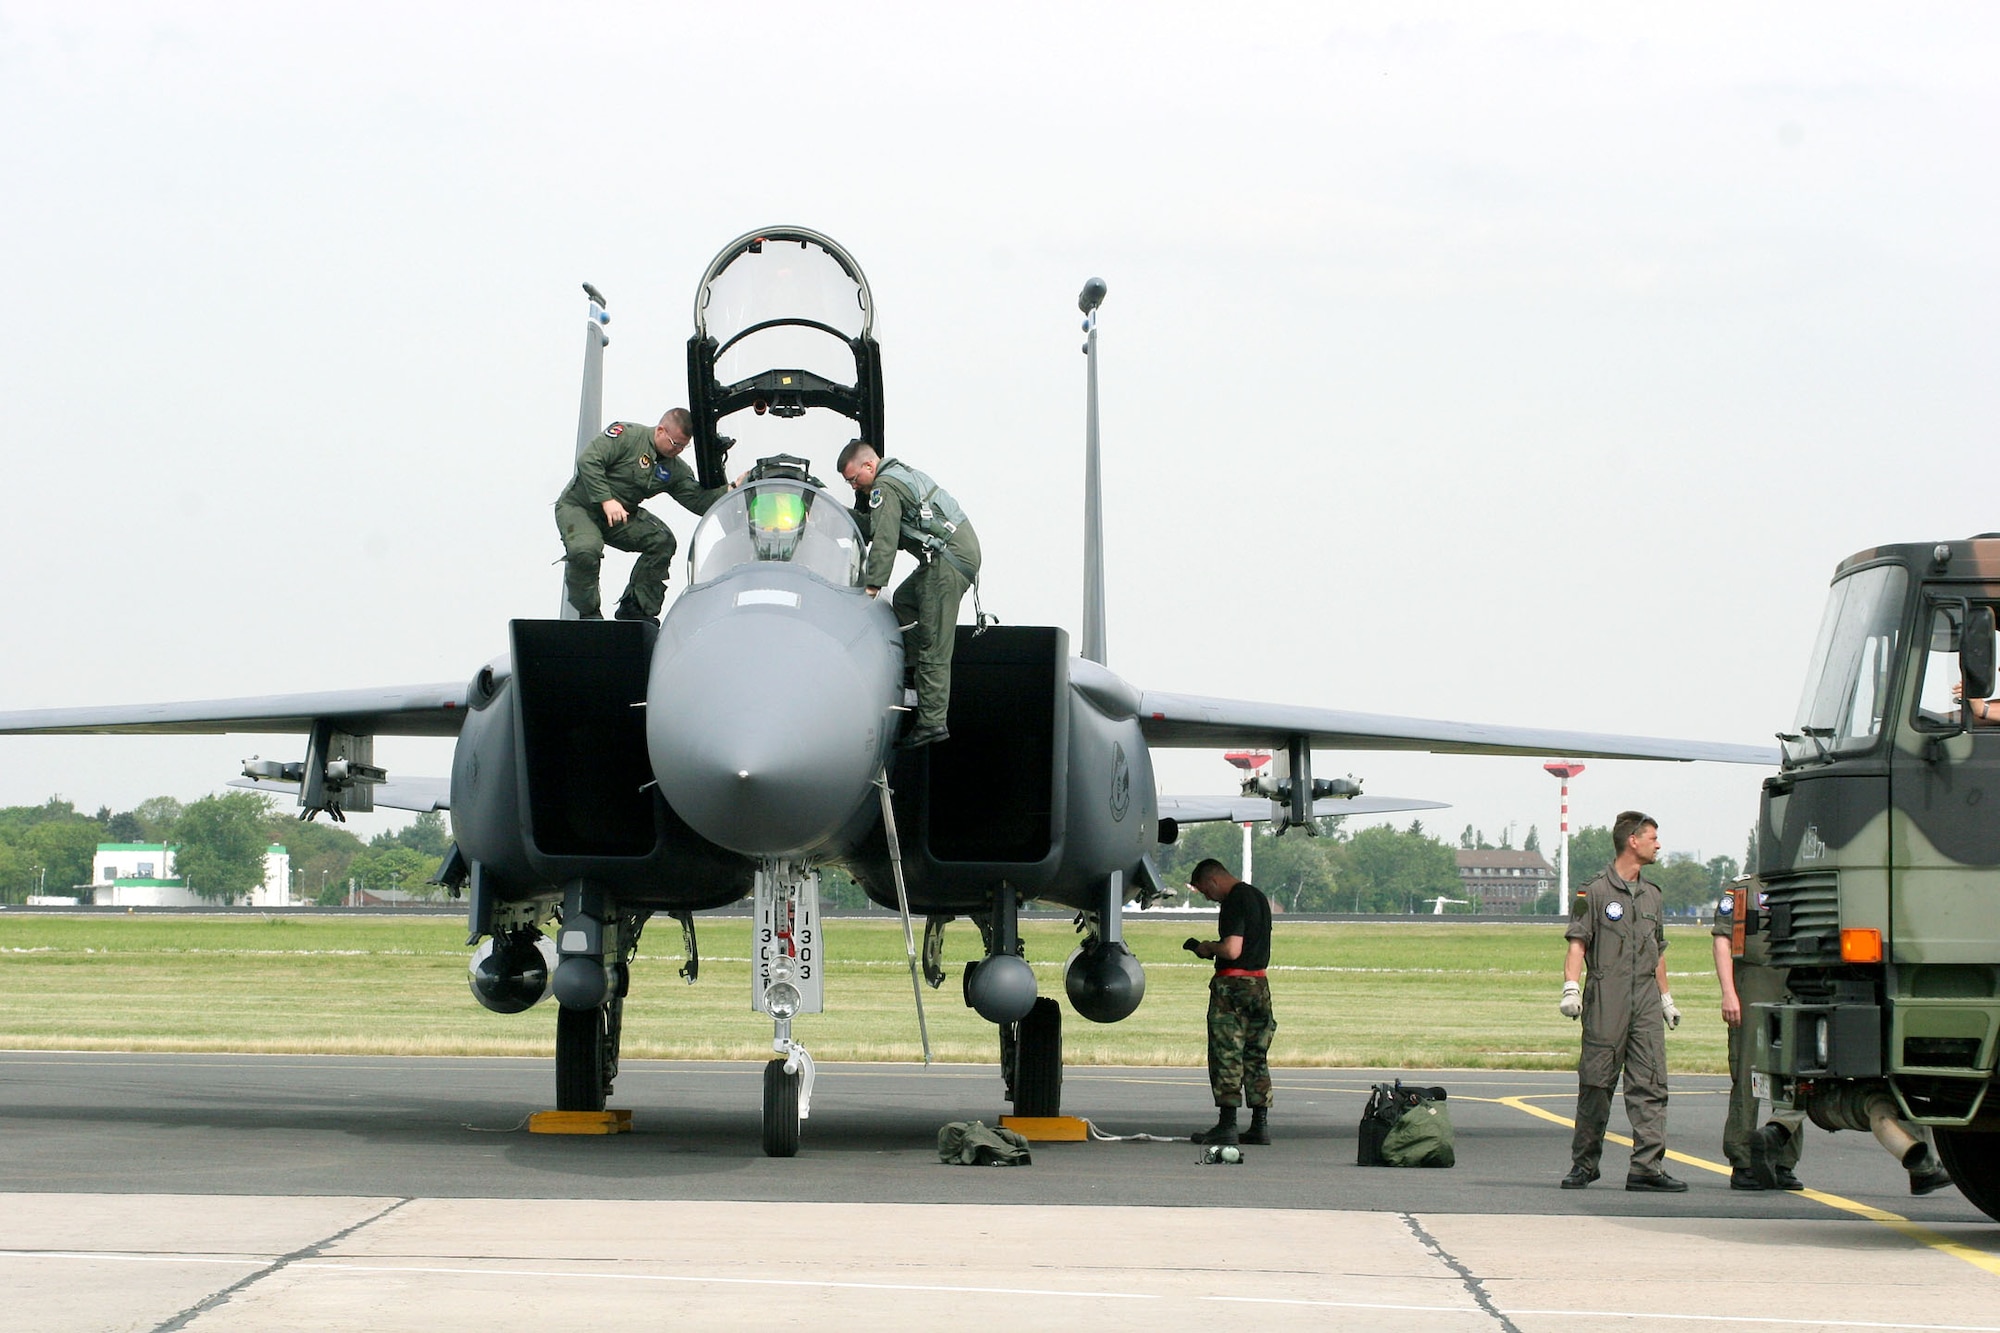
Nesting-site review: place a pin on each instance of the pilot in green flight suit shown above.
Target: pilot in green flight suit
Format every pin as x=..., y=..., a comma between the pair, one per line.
x=624, y=465
x=897, y=506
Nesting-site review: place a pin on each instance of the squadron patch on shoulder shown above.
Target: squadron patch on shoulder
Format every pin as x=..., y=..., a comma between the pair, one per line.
x=1614, y=911
x=1726, y=905
x=615, y=429
x=875, y=497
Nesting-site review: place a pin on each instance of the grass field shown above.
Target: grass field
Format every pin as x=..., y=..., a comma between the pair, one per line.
x=1394, y=995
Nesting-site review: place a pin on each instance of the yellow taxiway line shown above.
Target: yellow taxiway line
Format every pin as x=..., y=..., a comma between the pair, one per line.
x=1923, y=1235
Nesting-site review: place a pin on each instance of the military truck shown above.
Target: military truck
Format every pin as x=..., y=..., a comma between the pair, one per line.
x=1878, y=860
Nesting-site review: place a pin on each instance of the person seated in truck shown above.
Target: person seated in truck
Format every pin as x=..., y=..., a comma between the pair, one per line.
x=1982, y=709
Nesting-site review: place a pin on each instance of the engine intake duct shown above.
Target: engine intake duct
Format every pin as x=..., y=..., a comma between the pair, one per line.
x=993, y=788
x=583, y=753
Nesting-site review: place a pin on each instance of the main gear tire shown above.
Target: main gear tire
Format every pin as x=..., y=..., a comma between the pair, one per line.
x=1973, y=1159
x=781, y=1111
x=1038, y=1061
x=580, y=1059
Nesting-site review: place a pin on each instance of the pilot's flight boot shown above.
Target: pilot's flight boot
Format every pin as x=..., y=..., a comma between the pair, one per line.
x=590, y=615
x=1224, y=1129
x=629, y=610
x=918, y=737
x=1260, y=1126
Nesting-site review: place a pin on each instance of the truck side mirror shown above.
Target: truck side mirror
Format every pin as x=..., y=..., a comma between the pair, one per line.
x=1975, y=653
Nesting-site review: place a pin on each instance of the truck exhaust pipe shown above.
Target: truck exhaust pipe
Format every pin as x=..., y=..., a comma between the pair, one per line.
x=1868, y=1106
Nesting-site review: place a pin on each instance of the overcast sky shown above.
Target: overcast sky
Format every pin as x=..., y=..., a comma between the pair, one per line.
x=1516, y=364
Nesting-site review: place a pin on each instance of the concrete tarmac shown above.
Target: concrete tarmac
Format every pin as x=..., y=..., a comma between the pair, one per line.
x=214, y=1192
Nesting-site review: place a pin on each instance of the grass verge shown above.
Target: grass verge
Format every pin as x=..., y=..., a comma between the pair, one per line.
x=1393, y=995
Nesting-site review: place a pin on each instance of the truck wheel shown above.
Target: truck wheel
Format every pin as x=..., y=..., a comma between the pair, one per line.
x=1974, y=1162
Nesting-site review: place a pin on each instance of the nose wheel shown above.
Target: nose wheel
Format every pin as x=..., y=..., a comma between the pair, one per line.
x=787, y=1094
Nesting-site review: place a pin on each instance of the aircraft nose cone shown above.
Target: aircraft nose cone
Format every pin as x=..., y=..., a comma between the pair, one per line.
x=763, y=733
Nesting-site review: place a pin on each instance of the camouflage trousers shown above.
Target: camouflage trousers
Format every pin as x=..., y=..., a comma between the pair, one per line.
x=1240, y=1028
x=927, y=605
x=585, y=534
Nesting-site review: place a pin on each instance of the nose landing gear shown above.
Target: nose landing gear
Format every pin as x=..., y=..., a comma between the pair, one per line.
x=785, y=980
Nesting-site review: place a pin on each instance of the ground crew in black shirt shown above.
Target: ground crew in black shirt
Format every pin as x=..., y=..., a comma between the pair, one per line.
x=1240, y=1023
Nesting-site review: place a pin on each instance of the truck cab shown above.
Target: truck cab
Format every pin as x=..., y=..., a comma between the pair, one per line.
x=1878, y=859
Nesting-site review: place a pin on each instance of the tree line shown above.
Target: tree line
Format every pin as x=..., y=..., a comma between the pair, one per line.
x=1383, y=869
x=220, y=842
x=219, y=845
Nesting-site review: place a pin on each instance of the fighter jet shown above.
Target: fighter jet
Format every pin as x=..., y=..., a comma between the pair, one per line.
x=606, y=772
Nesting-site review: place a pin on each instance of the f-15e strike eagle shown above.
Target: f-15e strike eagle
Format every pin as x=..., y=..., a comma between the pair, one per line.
x=587, y=795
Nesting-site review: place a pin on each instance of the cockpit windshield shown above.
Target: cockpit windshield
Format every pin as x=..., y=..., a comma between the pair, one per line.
x=1854, y=659
x=778, y=521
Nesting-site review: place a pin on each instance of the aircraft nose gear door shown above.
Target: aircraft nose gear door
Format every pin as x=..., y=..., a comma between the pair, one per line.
x=785, y=979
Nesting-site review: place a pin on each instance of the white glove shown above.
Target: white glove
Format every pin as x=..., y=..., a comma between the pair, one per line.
x=1667, y=1008
x=1572, y=1000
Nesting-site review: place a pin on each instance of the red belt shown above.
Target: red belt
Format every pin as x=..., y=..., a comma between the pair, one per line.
x=1238, y=972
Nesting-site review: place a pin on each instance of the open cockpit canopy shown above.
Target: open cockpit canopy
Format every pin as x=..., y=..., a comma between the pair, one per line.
x=783, y=356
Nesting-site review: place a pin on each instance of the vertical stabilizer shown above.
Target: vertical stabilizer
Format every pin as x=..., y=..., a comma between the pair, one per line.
x=590, y=409
x=1093, y=504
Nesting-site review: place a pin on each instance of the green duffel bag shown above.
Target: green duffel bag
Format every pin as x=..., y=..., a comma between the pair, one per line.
x=971, y=1143
x=1422, y=1137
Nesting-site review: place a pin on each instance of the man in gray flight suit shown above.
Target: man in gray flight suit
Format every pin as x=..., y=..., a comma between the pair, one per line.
x=1617, y=926
x=1757, y=1160
x=625, y=464
x=897, y=506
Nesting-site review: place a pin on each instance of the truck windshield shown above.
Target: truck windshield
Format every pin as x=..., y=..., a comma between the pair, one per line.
x=778, y=521
x=1853, y=663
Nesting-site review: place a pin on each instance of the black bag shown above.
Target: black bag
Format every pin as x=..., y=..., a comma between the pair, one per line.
x=1387, y=1104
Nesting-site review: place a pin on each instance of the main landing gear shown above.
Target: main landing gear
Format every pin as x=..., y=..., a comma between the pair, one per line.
x=1001, y=987
x=595, y=944
x=1031, y=1060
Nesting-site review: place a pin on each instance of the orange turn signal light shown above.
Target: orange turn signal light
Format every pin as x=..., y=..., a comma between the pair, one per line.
x=1861, y=946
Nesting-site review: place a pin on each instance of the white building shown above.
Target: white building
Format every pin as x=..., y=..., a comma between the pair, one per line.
x=137, y=874
x=141, y=874
x=276, y=890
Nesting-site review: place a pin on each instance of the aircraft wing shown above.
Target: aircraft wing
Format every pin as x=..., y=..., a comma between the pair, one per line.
x=1252, y=809
x=420, y=794
x=407, y=710
x=1193, y=721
